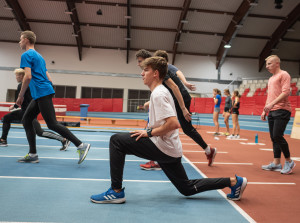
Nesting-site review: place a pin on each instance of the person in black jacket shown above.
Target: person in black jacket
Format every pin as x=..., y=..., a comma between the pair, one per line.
x=17, y=115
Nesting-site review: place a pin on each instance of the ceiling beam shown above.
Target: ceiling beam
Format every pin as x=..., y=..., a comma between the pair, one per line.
x=231, y=31
x=183, y=15
x=281, y=30
x=76, y=26
x=136, y=49
x=145, y=28
x=19, y=14
x=169, y=8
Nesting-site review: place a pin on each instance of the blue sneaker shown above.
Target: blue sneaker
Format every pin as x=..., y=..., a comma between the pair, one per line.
x=238, y=189
x=109, y=196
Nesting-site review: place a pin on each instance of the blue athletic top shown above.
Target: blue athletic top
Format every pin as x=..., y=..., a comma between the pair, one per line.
x=40, y=85
x=219, y=101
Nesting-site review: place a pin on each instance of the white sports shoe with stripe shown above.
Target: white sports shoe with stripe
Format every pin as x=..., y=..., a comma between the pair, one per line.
x=110, y=196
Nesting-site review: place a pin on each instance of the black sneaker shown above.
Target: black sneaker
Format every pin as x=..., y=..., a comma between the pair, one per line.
x=65, y=145
x=3, y=143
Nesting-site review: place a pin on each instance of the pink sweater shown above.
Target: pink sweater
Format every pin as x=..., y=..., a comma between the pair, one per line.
x=279, y=83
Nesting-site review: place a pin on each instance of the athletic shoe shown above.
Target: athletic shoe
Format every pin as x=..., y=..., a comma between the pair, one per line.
x=151, y=165
x=65, y=145
x=272, y=167
x=238, y=189
x=3, y=143
x=83, y=151
x=109, y=197
x=227, y=134
x=29, y=159
x=211, y=156
x=230, y=137
x=288, y=167
x=217, y=134
x=236, y=136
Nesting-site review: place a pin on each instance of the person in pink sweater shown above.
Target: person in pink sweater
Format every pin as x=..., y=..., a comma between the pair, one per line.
x=278, y=109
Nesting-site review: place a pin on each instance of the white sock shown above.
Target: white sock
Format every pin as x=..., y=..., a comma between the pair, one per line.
x=32, y=154
x=80, y=146
x=207, y=150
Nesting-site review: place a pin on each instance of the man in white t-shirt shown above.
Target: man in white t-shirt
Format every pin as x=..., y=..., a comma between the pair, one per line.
x=161, y=143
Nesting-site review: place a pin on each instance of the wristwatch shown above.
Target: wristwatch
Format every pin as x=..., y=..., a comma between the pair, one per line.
x=149, y=131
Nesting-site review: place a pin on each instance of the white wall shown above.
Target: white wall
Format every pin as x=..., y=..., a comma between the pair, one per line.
x=114, y=61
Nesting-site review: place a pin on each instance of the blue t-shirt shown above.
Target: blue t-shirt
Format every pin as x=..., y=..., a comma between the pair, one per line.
x=219, y=101
x=39, y=85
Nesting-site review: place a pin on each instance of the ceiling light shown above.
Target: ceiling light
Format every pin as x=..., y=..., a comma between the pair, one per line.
x=227, y=46
x=178, y=42
x=67, y=12
x=184, y=21
x=291, y=30
x=127, y=17
x=253, y=4
x=74, y=35
x=239, y=26
x=127, y=38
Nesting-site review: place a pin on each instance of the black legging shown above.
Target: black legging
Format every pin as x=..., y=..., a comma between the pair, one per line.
x=278, y=121
x=122, y=144
x=187, y=126
x=44, y=105
x=7, y=120
x=46, y=134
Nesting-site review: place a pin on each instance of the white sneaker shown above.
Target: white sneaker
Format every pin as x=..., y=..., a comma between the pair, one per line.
x=237, y=136
x=230, y=137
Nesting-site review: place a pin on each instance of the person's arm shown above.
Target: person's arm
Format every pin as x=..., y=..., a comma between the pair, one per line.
x=146, y=105
x=170, y=83
x=216, y=100
x=190, y=86
x=26, y=81
x=49, y=77
x=236, y=100
x=170, y=125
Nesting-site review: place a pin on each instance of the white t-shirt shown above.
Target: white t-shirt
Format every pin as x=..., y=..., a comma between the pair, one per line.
x=162, y=107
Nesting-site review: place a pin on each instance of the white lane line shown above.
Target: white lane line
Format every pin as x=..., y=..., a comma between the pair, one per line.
x=240, y=139
x=220, y=163
x=252, y=143
x=295, y=158
x=240, y=210
x=70, y=147
x=190, y=144
x=42, y=138
x=81, y=179
x=191, y=151
x=266, y=149
x=271, y=183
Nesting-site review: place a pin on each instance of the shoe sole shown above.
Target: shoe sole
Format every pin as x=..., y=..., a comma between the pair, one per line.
x=114, y=201
x=143, y=168
x=36, y=161
x=65, y=149
x=275, y=170
x=243, y=187
x=213, y=158
x=85, y=153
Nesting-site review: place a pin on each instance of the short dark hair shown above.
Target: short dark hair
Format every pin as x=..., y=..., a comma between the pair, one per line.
x=143, y=53
x=157, y=63
x=163, y=54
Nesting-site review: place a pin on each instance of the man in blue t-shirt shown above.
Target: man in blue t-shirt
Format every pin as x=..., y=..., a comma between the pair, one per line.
x=38, y=79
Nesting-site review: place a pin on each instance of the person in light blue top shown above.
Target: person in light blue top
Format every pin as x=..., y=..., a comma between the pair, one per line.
x=217, y=102
x=40, y=83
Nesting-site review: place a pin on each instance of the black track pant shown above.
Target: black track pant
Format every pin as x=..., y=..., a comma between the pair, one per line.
x=278, y=121
x=46, y=134
x=122, y=144
x=44, y=106
x=187, y=127
x=7, y=120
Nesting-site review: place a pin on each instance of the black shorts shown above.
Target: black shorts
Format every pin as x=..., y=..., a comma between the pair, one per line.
x=226, y=109
x=235, y=111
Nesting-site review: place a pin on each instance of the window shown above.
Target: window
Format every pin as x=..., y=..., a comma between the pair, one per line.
x=137, y=98
x=89, y=92
x=62, y=91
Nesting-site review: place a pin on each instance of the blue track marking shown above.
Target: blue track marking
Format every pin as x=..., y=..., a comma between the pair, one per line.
x=60, y=188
